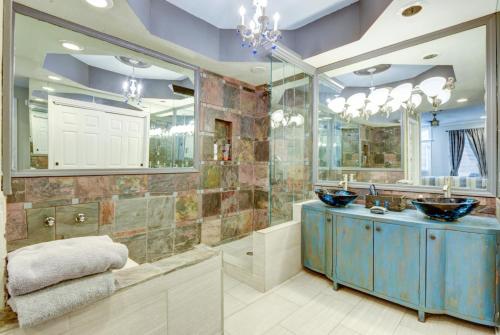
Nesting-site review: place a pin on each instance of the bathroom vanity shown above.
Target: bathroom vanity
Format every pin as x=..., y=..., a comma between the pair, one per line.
x=430, y=266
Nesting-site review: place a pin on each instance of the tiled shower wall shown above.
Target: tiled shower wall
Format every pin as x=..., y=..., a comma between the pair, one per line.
x=159, y=215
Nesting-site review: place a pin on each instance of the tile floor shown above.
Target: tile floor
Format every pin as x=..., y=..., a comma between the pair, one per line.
x=307, y=305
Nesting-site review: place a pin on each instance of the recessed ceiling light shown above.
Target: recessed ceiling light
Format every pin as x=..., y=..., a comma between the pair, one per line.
x=258, y=69
x=71, y=46
x=100, y=3
x=430, y=56
x=47, y=88
x=412, y=10
x=56, y=78
x=461, y=100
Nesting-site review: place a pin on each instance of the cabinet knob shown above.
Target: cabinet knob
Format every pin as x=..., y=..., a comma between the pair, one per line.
x=49, y=221
x=80, y=218
x=378, y=229
x=432, y=237
x=367, y=227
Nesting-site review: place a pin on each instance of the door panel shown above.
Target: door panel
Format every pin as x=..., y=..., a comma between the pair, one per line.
x=397, y=261
x=465, y=271
x=355, y=252
x=313, y=240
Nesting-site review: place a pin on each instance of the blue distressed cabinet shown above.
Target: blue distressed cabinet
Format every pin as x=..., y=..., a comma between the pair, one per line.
x=432, y=267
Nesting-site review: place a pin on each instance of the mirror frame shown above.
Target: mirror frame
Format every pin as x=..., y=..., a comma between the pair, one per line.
x=10, y=10
x=491, y=105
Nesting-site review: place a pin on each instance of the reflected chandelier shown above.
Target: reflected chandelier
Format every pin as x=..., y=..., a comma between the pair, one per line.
x=436, y=89
x=257, y=32
x=280, y=118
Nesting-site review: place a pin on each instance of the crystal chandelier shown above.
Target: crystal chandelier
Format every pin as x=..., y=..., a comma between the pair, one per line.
x=280, y=118
x=257, y=32
x=132, y=89
x=388, y=100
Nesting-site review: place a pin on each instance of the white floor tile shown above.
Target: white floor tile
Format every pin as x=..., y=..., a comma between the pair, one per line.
x=302, y=288
x=229, y=282
x=346, y=294
x=341, y=330
x=465, y=328
x=318, y=317
x=231, y=305
x=433, y=325
x=261, y=316
x=278, y=330
x=374, y=317
x=245, y=293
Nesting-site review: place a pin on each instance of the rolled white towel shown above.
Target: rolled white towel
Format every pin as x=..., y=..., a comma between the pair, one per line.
x=54, y=301
x=41, y=265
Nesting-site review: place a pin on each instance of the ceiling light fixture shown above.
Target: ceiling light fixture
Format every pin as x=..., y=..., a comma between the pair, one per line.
x=47, y=88
x=462, y=100
x=430, y=56
x=103, y=4
x=412, y=10
x=71, y=46
x=257, y=33
x=55, y=78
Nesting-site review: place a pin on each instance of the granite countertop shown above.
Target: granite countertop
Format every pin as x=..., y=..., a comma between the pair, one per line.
x=135, y=275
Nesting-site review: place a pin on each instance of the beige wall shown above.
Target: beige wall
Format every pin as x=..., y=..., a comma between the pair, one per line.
x=3, y=247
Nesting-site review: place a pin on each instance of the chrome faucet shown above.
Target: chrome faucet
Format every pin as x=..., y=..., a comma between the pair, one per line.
x=344, y=182
x=447, y=188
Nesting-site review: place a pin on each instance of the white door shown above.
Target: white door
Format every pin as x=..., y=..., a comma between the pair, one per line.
x=40, y=133
x=87, y=138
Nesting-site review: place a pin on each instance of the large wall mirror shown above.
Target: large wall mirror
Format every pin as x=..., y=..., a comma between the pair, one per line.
x=417, y=116
x=81, y=103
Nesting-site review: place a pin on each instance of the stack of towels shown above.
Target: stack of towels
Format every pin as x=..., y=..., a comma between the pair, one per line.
x=47, y=280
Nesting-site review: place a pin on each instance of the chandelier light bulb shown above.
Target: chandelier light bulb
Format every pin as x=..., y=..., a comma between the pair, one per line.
x=276, y=18
x=433, y=86
x=357, y=100
x=242, y=14
x=402, y=92
x=337, y=105
x=393, y=105
x=379, y=96
x=416, y=100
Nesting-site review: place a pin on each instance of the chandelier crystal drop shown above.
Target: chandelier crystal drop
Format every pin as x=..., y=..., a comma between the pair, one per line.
x=257, y=32
x=132, y=89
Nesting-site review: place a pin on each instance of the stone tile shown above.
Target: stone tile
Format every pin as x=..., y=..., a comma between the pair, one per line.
x=18, y=190
x=186, y=207
x=246, y=221
x=231, y=96
x=207, y=147
x=211, y=204
x=230, y=203
x=247, y=127
x=302, y=288
x=37, y=230
x=130, y=214
x=262, y=151
x=186, y=237
x=211, y=89
x=245, y=199
x=211, y=176
x=261, y=199
x=261, y=175
x=106, y=212
x=246, y=151
x=237, y=225
x=260, y=219
x=245, y=293
x=131, y=184
x=49, y=188
x=187, y=182
x=67, y=227
x=246, y=175
x=211, y=231
x=230, y=176
x=16, y=227
x=137, y=247
x=162, y=183
x=231, y=305
x=161, y=212
x=160, y=244
x=261, y=128
x=248, y=102
x=91, y=187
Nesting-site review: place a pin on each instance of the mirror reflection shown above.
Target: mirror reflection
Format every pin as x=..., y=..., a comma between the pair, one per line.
x=82, y=103
x=415, y=116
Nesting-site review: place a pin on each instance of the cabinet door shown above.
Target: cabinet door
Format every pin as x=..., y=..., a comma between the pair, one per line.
x=354, y=247
x=313, y=240
x=397, y=261
x=461, y=273
x=329, y=246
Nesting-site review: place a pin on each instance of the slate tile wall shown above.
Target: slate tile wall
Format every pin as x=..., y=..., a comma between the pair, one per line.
x=160, y=215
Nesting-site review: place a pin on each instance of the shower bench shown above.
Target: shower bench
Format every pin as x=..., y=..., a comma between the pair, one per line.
x=432, y=267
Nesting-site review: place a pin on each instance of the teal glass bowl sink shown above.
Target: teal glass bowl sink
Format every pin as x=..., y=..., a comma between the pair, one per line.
x=445, y=209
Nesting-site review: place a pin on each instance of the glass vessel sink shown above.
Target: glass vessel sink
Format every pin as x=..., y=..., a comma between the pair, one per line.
x=445, y=209
x=336, y=198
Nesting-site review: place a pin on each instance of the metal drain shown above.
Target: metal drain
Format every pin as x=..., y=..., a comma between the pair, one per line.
x=249, y=253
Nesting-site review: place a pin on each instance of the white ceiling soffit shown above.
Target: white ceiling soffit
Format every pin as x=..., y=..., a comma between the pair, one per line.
x=223, y=14
x=110, y=63
x=391, y=28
